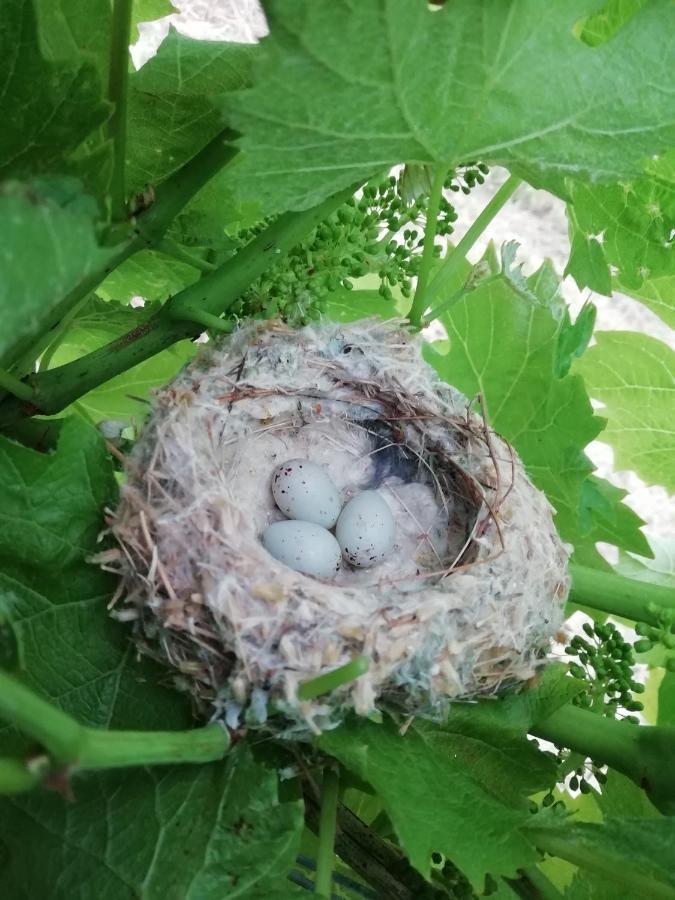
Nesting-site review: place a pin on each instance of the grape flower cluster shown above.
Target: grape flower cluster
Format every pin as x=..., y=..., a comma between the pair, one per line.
x=381, y=232
x=605, y=663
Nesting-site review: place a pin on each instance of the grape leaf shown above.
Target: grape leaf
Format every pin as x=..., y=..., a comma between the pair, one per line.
x=148, y=11
x=126, y=395
x=44, y=520
x=506, y=721
x=659, y=569
x=200, y=830
x=504, y=345
x=348, y=306
x=48, y=109
x=482, y=93
x=587, y=263
x=213, y=216
x=148, y=274
x=636, y=853
x=574, y=337
x=602, y=25
x=434, y=802
x=622, y=798
x=657, y=294
x=509, y=769
x=73, y=652
x=73, y=30
x=195, y=832
x=52, y=223
x=175, y=103
x=603, y=516
x=628, y=226
x=633, y=375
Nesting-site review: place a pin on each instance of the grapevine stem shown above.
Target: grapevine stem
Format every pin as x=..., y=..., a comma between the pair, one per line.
x=60, y=734
x=208, y=320
x=646, y=754
x=117, y=94
x=575, y=850
x=419, y=303
x=541, y=884
x=70, y=743
x=173, y=248
x=327, y=827
x=15, y=386
x=213, y=294
x=149, y=228
x=621, y=596
x=114, y=749
x=454, y=260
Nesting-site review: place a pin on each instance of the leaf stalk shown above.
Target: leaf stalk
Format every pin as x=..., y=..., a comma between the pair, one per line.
x=646, y=754
x=15, y=386
x=173, y=248
x=148, y=229
x=454, y=260
x=612, y=593
x=419, y=303
x=327, y=827
x=76, y=746
x=213, y=294
x=118, y=80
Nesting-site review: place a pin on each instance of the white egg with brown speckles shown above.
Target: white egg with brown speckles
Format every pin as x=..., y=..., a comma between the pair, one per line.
x=366, y=530
x=302, y=490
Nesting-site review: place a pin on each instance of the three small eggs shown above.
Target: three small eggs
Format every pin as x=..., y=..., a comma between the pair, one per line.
x=364, y=528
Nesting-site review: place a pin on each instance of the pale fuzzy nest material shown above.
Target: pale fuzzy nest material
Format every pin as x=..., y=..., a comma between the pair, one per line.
x=466, y=604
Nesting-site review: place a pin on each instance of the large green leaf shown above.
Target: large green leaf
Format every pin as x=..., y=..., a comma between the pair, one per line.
x=635, y=853
x=148, y=274
x=348, y=306
x=434, y=800
x=602, y=25
x=125, y=396
x=175, y=103
x=658, y=294
x=471, y=80
x=72, y=651
x=213, y=216
x=507, y=720
x=75, y=30
x=148, y=11
x=633, y=375
x=659, y=570
x=603, y=516
x=193, y=832
x=505, y=345
x=51, y=508
x=49, y=248
x=48, y=108
x=628, y=226
x=622, y=798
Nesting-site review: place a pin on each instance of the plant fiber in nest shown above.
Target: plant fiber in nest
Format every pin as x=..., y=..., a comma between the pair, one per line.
x=464, y=606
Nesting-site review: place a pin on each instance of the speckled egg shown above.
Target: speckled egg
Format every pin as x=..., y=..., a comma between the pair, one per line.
x=303, y=546
x=366, y=530
x=302, y=490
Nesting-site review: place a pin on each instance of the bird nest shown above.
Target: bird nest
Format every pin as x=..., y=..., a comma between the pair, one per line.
x=464, y=606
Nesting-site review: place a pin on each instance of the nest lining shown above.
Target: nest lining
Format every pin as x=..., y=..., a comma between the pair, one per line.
x=467, y=602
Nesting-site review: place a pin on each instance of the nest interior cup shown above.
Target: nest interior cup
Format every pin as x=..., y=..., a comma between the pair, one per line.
x=465, y=604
